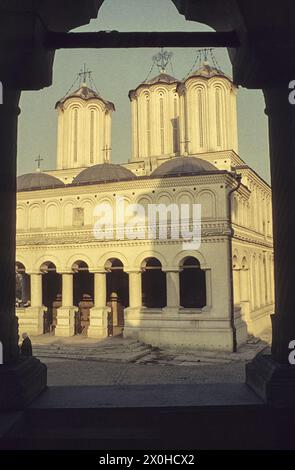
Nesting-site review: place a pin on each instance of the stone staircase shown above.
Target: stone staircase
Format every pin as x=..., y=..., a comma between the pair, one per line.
x=112, y=349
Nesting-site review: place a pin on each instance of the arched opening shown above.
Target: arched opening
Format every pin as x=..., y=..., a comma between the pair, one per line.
x=83, y=290
x=117, y=295
x=154, y=291
x=192, y=281
x=22, y=286
x=51, y=292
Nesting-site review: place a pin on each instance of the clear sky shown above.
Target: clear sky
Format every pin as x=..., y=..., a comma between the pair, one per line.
x=115, y=72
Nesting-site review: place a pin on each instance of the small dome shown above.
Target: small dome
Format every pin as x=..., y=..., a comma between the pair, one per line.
x=180, y=166
x=102, y=173
x=207, y=71
x=161, y=78
x=38, y=180
x=85, y=93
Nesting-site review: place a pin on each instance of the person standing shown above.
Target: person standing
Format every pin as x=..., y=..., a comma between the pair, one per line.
x=26, y=347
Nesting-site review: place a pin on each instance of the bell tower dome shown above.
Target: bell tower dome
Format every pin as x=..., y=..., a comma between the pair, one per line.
x=208, y=114
x=155, y=114
x=84, y=127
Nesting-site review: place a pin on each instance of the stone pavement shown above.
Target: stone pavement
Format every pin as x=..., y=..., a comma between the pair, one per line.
x=112, y=361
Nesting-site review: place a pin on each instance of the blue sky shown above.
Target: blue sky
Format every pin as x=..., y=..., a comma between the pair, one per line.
x=115, y=72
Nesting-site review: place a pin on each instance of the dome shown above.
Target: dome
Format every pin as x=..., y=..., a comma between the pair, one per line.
x=85, y=93
x=161, y=78
x=180, y=166
x=38, y=180
x=207, y=71
x=102, y=173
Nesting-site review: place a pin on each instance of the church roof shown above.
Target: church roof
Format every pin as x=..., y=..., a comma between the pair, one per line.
x=161, y=78
x=103, y=173
x=37, y=180
x=207, y=71
x=181, y=166
x=85, y=93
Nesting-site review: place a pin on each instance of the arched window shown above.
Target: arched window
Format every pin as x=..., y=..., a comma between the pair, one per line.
x=92, y=116
x=148, y=125
x=75, y=135
x=175, y=122
x=192, y=281
x=153, y=284
x=218, y=116
x=201, y=117
x=162, y=130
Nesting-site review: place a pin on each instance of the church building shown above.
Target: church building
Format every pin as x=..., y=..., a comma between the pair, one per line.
x=163, y=291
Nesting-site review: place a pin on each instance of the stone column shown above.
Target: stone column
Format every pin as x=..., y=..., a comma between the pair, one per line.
x=21, y=379
x=281, y=116
x=98, y=326
x=36, y=290
x=173, y=292
x=9, y=112
x=31, y=319
x=132, y=315
x=135, y=290
x=66, y=313
x=273, y=377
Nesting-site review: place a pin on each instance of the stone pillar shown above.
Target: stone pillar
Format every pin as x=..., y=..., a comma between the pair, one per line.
x=36, y=290
x=66, y=313
x=237, y=286
x=135, y=290
x=31, y=319
x=132, y=313
x=98, y=326
x=9, y=112
x=173, y=292
x=273, y=377
x=21, y=379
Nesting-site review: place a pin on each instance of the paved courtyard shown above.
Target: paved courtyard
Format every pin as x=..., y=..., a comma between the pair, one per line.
x=82, y=361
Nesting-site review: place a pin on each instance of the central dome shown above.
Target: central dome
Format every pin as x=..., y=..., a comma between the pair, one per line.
x=102, y=173
x=183, y=166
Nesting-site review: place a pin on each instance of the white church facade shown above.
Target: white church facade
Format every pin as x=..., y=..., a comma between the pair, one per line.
x=161, y=291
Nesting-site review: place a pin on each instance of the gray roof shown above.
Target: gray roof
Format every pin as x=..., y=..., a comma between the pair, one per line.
x=37, y=180
x=102, y=173
x=180, y=166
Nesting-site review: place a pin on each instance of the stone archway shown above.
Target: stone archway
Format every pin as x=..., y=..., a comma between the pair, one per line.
x=154, y=289
x=192, y=283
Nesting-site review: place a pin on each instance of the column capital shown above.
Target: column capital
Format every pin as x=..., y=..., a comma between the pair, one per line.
x=98, y=271
x=133, y=271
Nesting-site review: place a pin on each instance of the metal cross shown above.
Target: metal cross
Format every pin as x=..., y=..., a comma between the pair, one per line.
x=39, y=160
x=106, y=149
x=84, y=74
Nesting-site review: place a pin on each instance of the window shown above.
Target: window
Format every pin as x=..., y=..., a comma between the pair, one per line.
x=78, y=216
